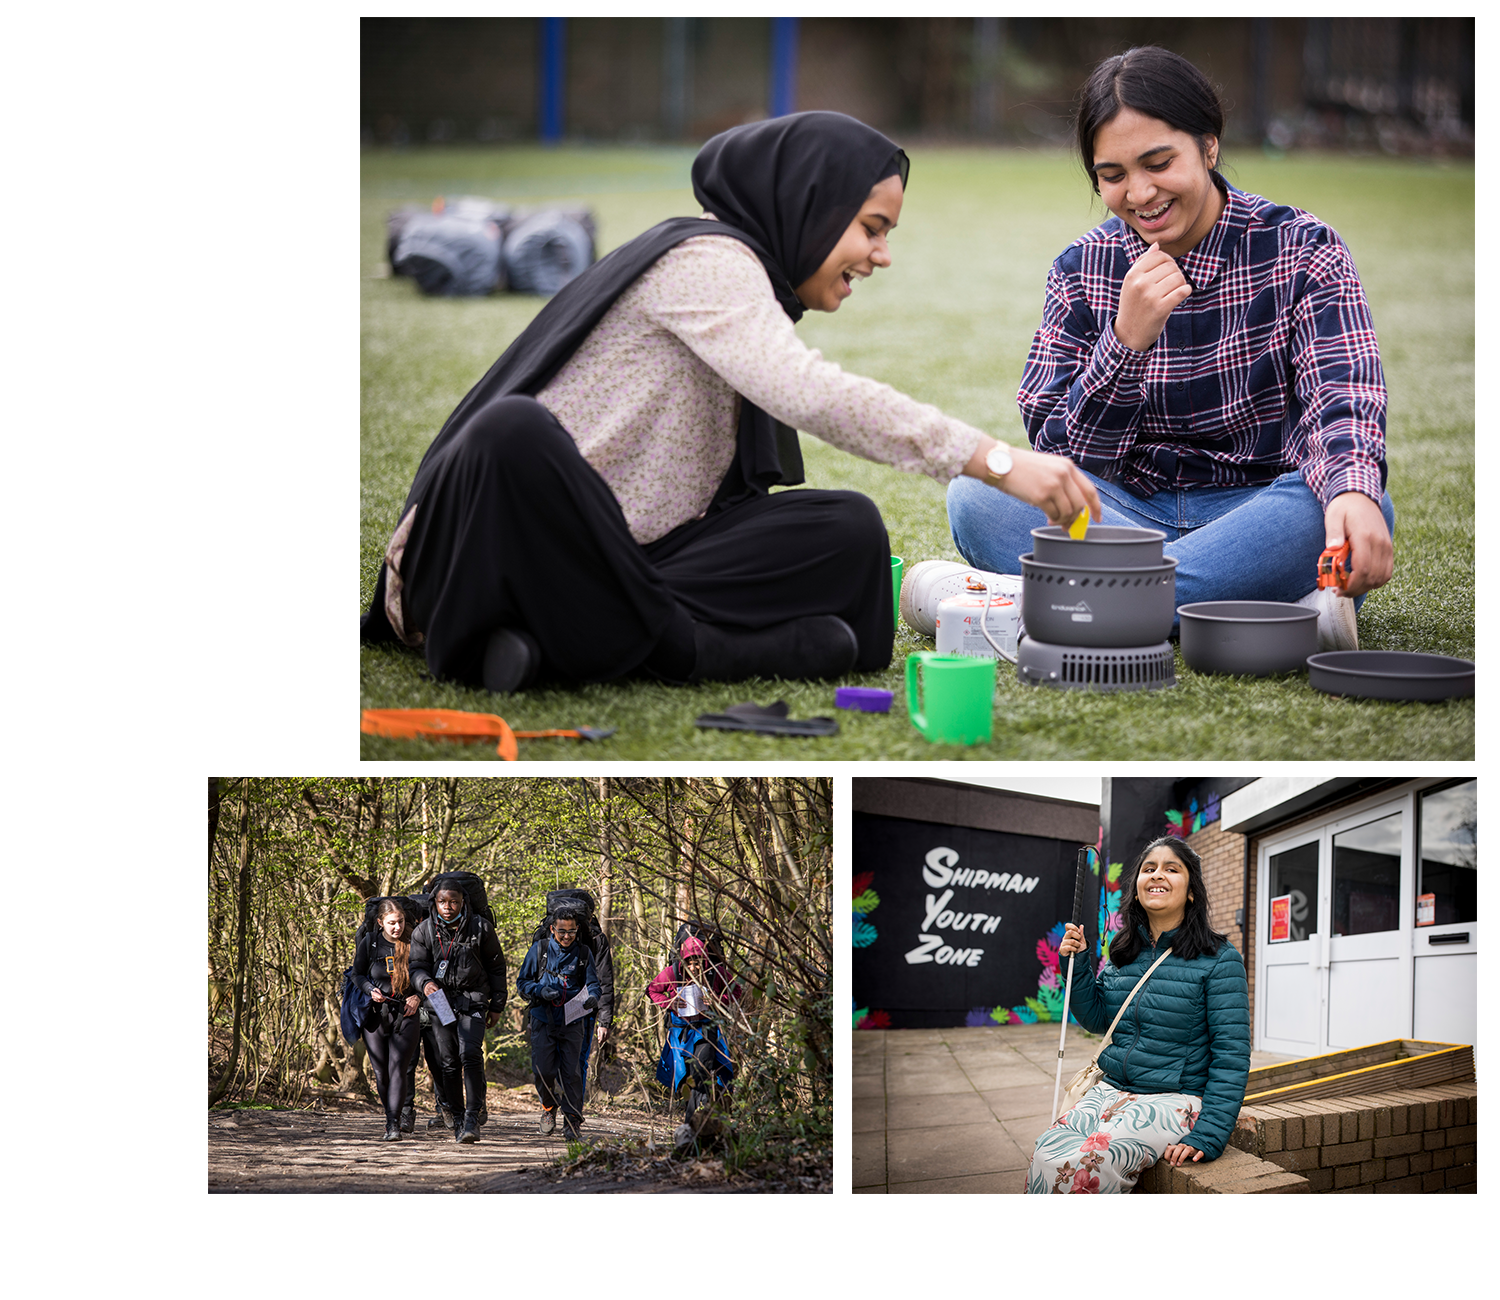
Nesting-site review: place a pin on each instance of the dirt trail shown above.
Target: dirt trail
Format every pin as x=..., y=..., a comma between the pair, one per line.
x=339, y=1150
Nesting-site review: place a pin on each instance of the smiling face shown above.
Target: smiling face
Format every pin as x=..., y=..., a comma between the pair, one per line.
x=565, y=932
x=1156, y=179
x=1162, y=888
x=862, y=249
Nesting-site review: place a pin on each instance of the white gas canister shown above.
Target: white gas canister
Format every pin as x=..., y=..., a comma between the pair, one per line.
x=959, y=631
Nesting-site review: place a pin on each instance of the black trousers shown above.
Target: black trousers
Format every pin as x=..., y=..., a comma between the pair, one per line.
x=429, y=1052
x=517, y=530
x=392, y=1046
x=556, y=1051
x=461, y=1058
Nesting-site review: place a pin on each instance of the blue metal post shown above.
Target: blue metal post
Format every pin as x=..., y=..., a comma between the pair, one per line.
x=550, y=105
x=783, y=66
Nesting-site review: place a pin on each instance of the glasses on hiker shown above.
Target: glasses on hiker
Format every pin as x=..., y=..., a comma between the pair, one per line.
x=571, y=932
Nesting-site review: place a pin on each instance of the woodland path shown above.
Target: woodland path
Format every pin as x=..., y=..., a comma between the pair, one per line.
x=339, y=1150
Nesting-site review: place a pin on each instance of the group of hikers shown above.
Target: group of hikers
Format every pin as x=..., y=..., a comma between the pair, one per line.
x=429, y=977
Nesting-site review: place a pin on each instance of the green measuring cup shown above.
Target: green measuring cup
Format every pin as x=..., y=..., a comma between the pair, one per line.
x=950, y=698
x=896, y=566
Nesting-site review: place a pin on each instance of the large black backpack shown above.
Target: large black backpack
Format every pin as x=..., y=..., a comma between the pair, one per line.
x=473, y=888
x=592, y=933
x=416, y=907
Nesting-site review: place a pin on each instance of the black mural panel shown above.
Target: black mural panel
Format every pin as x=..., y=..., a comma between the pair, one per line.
x=959, y=916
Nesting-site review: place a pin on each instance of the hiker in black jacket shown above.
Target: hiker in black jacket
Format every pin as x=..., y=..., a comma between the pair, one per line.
x=456, y=950
x=382, y=965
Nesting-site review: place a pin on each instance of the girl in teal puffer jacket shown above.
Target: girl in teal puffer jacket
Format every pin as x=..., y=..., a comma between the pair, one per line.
x=1175, y=1070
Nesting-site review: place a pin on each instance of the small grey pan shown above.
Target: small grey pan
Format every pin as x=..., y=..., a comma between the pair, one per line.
x=1391, y=675
x=1253, y=637
x=1107, y=546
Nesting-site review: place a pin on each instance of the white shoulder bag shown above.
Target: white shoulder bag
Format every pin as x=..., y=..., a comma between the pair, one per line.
x=1087, y=1077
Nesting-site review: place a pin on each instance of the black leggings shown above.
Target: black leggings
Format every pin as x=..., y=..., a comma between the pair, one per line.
x=392, y=1051
x=517, y=530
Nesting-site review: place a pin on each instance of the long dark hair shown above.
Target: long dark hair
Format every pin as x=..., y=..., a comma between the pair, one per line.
x=1194, y=937
x=1155, y=82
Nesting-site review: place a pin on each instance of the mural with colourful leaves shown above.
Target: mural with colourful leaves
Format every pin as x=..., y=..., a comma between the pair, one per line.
x=1183, y=822
x=1048, y=1002
x=866, y=900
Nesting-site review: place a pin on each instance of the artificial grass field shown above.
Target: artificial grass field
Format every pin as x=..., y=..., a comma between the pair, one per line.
x=950, y=323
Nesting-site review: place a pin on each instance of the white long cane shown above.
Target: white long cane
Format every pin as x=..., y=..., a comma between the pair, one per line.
x=1062, y=1040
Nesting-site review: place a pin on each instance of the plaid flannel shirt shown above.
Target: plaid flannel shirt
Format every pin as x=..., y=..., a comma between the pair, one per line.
x=1271, y=365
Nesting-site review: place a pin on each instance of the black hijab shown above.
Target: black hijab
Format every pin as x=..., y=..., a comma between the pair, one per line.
x=787, y=188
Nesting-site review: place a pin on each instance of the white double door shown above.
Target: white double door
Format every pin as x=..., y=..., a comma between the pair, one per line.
x=1355, y=968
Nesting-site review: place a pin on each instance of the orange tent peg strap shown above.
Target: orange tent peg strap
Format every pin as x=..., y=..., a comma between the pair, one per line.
x=440, y=724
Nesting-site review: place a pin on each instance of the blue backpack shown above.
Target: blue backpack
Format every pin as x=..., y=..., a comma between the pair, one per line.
x=354, y=1007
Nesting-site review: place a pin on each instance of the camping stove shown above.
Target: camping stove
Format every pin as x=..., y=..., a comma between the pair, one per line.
x=1097, y=611
x=1104, y=668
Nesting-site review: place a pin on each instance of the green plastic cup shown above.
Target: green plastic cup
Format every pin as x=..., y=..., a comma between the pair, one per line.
x=950, y=698
x=896, y=566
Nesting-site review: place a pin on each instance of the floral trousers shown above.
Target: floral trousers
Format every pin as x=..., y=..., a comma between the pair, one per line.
x=1108, y=1140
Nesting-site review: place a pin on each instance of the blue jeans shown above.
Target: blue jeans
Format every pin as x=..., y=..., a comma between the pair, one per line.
x=1247, y=543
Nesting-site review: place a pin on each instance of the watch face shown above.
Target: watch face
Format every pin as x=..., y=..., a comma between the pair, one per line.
x=999, y=460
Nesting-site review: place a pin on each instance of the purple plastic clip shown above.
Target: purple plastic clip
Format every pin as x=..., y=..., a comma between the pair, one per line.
x=867, y=699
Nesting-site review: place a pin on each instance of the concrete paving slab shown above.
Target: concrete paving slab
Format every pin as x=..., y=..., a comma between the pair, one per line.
x=1005, y=1076
x=1025, y=1131
x=868, y=1151
x=1004, y=1182
x=913, y=1155
x=936, y=1112
x=1019, y=1103
x=959, y=1110
x=926, y=1084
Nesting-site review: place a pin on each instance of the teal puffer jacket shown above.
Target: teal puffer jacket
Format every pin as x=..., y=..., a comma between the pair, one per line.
x=1187, y=1031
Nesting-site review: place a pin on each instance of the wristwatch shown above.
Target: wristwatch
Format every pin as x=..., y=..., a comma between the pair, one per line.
x=999, y=460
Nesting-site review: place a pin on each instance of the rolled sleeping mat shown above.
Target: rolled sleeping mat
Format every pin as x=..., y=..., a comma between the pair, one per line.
x=450, y=254
x=546, y=250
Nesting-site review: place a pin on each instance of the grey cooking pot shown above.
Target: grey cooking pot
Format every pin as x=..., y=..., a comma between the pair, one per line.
x=1391, y=675
x=1071, y=606
x=1255, y=637
x=1107, y=546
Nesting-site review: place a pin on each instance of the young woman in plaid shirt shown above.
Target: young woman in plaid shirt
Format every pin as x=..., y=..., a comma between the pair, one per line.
x=1207, y=357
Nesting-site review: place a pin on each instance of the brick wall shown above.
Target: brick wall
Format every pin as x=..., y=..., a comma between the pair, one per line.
x=1223, y=856
x=1415, y=1140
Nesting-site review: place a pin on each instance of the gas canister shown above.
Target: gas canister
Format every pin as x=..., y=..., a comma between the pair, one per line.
x=959, y=630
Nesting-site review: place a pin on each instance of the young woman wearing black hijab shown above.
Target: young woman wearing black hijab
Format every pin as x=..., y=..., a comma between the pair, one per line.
x=615, y=463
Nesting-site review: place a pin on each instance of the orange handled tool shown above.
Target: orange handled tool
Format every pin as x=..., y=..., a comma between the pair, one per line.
x=1333, y=567
x=455, y=724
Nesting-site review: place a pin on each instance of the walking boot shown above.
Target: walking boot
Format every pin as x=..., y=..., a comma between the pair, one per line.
x=570, y=1127
x=392, y=1131
x=408, y=1119
x=548, y=1125
x=468, y=1131
x=815, y=647
x=440, y=1117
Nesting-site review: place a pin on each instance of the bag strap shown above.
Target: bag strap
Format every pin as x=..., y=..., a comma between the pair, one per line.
x=1138, y=984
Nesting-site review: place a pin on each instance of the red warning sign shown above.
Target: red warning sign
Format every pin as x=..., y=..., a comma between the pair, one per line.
x=1281, y=919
